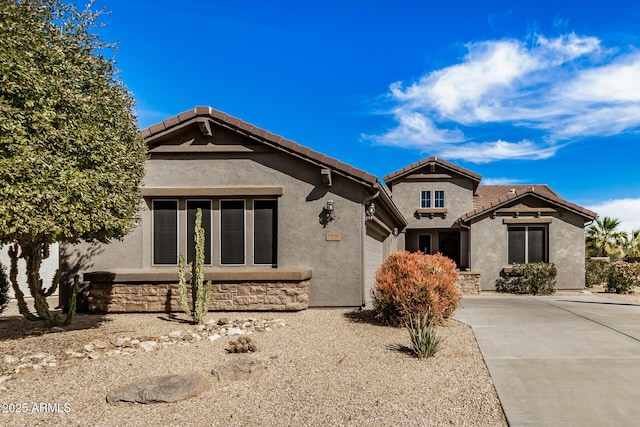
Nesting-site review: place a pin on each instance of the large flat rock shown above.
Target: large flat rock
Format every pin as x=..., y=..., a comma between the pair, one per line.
x=161, y=389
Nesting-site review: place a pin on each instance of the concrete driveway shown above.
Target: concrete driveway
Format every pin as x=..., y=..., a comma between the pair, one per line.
x=563, y=361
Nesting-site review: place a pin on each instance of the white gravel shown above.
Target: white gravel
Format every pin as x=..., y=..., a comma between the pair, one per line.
x=325, y=368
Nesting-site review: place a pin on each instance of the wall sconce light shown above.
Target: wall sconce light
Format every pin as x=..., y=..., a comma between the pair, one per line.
x=331, y=210
x=395, y=232
x=371, y=210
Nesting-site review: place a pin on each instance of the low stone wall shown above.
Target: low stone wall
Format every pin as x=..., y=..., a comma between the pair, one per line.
x=165, y=297
x=469, y=282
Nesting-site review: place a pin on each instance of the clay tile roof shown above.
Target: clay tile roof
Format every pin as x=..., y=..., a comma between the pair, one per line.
x=435, y=160
x=489, y=197
x=268, y=138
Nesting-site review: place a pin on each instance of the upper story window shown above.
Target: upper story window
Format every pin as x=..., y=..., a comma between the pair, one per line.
x=439, y=199
x=527, y=244
x=425, y=199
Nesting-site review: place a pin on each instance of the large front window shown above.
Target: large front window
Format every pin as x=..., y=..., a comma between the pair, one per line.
x=230, y=227
x=165, y=232
x=527, y=244
x=232, y=232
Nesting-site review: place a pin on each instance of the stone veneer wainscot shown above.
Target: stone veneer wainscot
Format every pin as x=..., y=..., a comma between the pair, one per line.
x=232, y=290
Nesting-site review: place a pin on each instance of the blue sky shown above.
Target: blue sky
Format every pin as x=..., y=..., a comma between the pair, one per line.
x=544, y=92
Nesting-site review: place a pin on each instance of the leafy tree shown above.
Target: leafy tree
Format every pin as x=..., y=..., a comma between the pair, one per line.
x=71, y=160
x=603, y=238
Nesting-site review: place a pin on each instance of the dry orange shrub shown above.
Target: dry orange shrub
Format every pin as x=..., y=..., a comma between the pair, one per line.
x=412, y=285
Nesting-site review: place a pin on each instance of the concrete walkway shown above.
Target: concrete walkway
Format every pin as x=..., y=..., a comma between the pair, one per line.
x=560, y=361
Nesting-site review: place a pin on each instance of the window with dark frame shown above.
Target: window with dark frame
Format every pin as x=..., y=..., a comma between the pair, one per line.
x=439, y=199
x=425, y=199
x=232, y=232
x=192, y=207
x=165, y=232
x=265, y=232
x=527, y=244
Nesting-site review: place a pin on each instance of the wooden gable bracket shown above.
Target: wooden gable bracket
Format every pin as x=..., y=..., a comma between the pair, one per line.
x=205, y=126
x=326, y=177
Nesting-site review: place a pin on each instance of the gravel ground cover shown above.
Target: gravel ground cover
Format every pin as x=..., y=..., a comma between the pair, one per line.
x=324, y=368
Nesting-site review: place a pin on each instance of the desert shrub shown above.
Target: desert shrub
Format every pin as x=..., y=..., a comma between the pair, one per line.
x=622, y=277
x=538, y=278
x=4, y=288
x=596, y=272
x=413, y=285
x=425, y=341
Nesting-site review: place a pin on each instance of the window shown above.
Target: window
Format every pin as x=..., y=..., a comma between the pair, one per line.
x=192, y=207
x=527, y=244
x=424, y=243
x=165, y=232
x=425, y=199
x=265, y=232
x=232, y=236
x=439, y=199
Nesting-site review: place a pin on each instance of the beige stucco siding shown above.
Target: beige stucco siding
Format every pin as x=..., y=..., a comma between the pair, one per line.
x=302, y=240
x=565, y=244
x=458, y=200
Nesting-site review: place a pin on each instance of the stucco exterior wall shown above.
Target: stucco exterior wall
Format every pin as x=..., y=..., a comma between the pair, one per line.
x=565, y=243
x=336, y=263
x=458, y=200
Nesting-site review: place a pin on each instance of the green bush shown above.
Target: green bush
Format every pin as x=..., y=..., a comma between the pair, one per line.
x=4, y=288
x=425, y=341
x=538, y=278
x=596, y=272
x=622, y=277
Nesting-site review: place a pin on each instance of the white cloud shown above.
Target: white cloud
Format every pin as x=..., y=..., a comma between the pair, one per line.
x=501, y=181
x=549, y=92
x=626, y=210
x=486, y=152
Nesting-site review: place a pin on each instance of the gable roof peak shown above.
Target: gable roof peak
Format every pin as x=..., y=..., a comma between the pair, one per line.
x=433, y=160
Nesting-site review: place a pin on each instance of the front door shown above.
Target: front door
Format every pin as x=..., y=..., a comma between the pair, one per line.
x=424, y=243
x=450, y=246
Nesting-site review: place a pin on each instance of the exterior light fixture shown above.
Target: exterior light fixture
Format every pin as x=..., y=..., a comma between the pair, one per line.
x=331, y=210
x=371, y=210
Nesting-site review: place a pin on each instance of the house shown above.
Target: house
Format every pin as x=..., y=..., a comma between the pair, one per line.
x=285, y=227
x=486, y=229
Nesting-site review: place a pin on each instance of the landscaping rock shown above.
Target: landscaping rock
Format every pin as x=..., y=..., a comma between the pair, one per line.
x=161, y=389
x=238, y=368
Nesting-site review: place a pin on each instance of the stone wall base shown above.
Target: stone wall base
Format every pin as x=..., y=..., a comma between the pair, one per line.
x=110, y=297
x=469, y=282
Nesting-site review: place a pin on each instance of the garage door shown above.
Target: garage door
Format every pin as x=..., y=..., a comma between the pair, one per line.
x=373, y=257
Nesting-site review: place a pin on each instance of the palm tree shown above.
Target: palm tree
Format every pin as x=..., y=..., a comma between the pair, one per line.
x=603, y=238
x=632, y=244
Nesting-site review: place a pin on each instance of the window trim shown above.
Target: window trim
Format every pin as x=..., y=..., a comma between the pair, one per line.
x=436, y=199
x=253, y=239
x=186, y=227
x=422, y=199
x=153, y=234
x=526, y=241
x=244, y=219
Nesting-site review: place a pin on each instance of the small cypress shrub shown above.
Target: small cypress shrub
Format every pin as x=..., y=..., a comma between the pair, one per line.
x=4, y=288
x=425, y=341
x=411, y=285
x=622, y=277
